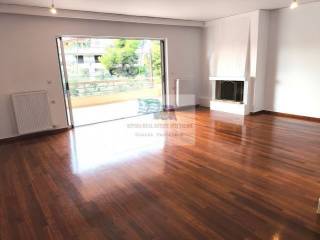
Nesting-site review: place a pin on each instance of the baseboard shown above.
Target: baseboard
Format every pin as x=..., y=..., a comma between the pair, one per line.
x=172, y=109
x=32, y=135
x=187, y=107
x=257, y=113
x=279, y=114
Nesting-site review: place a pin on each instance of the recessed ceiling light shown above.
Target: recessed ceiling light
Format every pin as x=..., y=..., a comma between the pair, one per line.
x=294, y=4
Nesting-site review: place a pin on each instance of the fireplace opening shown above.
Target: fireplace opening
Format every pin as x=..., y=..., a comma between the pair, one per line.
x=230, y=90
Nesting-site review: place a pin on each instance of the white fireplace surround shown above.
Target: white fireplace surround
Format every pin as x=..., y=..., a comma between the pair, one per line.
x=230, y=106
x=235, y=43
x=226, y=105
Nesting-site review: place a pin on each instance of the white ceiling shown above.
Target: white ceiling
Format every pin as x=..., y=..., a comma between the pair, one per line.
x=200, y=10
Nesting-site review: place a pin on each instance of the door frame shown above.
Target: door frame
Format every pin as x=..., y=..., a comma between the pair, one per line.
x=64, y=73
x=64, y=82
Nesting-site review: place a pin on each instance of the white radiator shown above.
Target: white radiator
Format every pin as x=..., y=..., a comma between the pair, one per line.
x=183, y=98
x=32, y=111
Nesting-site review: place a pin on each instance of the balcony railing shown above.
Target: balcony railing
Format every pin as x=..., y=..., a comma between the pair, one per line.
x=105, y=87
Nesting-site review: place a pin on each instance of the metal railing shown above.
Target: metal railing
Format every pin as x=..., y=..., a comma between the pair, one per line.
x=104, y=87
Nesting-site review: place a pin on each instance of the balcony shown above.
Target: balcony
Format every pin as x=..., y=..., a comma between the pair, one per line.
x=98, y=101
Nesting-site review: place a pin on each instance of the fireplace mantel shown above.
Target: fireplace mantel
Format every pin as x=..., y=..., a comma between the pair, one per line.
x=242, y=79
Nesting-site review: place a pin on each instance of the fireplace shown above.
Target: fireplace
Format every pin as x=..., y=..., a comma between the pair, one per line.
x=230, y=90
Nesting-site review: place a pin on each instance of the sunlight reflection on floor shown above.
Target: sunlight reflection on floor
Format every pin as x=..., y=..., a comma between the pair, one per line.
x=113, y=142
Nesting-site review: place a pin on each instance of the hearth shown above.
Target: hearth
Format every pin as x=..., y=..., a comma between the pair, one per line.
x=230, y=90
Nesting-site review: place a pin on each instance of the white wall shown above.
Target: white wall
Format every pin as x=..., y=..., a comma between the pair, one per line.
x=230, y=47
x=285, y=57
x=293, y=72
x=261, y=57
x=29, y=57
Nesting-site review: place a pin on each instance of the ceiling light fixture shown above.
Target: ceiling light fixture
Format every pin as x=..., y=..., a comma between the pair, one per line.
x=294, y=4
x=52, y=8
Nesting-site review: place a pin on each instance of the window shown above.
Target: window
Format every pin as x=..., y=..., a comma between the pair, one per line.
x=80, y=59
x=96, y=58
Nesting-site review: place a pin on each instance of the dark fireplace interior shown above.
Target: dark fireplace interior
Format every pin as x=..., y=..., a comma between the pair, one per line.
x=230, y=90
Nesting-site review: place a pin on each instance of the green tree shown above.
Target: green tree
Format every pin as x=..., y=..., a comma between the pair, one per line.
x=122, y=59
x=156, y=58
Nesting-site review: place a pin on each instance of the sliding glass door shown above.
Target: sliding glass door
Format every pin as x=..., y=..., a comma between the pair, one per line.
x=107, y=79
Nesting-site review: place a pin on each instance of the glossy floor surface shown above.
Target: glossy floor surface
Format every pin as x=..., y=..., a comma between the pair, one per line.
x=107, y=112
x=193, y=175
